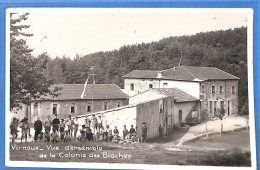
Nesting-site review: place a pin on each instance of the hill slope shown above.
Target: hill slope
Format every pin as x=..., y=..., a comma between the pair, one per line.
x=226, y=50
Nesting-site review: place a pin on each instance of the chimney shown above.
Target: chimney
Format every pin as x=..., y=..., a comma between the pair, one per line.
x=160, y=75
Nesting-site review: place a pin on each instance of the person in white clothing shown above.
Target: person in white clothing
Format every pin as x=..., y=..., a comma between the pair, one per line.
x=99, y=120
x=76, y=126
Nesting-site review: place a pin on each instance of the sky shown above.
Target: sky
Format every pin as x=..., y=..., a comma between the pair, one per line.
x=69, y=31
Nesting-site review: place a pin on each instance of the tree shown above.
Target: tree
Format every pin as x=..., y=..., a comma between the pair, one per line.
x=220, y=115
x=27, y=80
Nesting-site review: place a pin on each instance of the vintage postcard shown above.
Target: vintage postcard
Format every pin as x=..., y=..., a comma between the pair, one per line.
x=139, y=88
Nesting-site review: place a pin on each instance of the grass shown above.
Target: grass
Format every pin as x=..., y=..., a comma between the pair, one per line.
x=147, y=153
x=228, y=141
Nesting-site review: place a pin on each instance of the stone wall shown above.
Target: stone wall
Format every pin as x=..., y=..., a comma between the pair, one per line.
x=215, y=98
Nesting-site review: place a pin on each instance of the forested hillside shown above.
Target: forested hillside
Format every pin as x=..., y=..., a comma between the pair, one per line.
x=226, y=50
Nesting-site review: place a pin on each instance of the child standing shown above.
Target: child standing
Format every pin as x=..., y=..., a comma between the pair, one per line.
x=125, y=132
x=99, y=121
x=76, y=127
x=14, y=129
x=62, y=130
x=25, y=129
x=116, y=134
x=144, y=133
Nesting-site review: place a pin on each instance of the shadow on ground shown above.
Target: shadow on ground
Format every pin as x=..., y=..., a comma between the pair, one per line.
x=176, y=134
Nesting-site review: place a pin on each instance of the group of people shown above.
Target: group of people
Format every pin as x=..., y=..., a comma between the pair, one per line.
x=65, y=130
x=25, y=127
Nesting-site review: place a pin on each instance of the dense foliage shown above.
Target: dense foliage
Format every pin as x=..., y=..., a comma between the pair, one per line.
x=226, y=50
x=27, y=78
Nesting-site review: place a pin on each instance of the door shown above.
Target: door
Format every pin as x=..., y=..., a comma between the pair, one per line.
x=222, y=109
x=211, y=108
x=180, y=116
x=221, y=104
x=54, y=109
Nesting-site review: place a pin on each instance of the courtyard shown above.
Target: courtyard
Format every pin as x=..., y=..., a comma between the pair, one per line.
x=230, y=149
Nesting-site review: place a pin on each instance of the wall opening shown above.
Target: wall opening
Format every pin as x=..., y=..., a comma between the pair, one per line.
x=132, y=87
x=54, y=109
x=72, y=108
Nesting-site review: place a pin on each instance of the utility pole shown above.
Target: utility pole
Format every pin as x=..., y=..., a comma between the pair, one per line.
x=92, y=95
x=180, y=57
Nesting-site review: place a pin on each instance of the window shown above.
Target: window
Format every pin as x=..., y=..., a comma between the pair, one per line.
x=35, y=108
x=105, y=105
x=150, y=86
x=89, y=107
x=132, y=87
x=202, y=89
x=165, y=84
x=220, y=89
x=233, y=90
x=118, y=104
x=54, y=109
x=72, y=108
x=213, y=89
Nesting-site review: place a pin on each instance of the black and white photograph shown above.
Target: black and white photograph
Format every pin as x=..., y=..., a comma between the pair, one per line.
x=142, y=88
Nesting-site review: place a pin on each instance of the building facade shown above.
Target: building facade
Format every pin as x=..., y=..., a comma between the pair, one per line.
x=219, y=94
x=70, y=101
x=215, y=88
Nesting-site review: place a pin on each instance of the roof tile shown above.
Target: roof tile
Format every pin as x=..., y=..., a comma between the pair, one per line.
x=99, y=91
x=184, y=73
x=178, y=94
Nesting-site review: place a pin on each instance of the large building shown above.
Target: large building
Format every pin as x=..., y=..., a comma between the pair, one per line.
x=215, y=88
x=97, y=97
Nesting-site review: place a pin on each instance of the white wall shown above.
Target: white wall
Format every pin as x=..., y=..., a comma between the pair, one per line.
x=119, y=117
x=140, y=85
x=192, y=88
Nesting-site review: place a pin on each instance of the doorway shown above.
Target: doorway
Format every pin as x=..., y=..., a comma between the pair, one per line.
x=180, y=116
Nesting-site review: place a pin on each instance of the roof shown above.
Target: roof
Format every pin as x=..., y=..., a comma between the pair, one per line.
x=142, y=74
x=99, y=91
x=178, y=94
x=184, y=73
